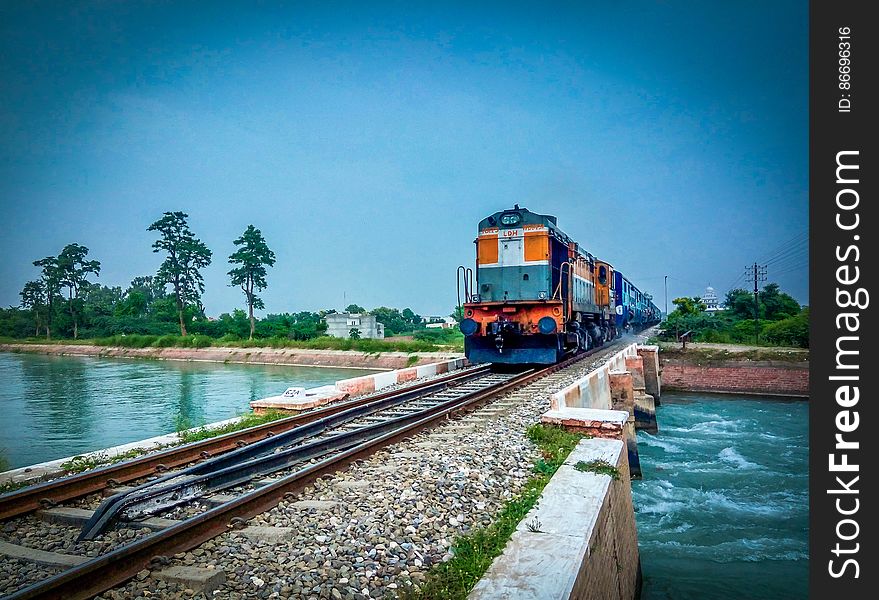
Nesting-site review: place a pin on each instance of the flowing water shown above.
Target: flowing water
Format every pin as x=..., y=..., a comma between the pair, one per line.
x=723, y=508
x=53, y=406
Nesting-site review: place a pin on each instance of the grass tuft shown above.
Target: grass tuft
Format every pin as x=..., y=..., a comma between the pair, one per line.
x=601, y=467
x=248, y=420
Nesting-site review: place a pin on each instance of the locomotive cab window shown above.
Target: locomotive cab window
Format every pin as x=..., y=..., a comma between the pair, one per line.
x=525, y=277
x=602, y=275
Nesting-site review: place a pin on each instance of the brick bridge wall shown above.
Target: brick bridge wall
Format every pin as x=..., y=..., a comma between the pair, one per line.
x=756, y=377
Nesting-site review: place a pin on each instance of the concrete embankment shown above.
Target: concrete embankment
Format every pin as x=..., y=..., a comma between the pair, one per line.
x=256, y=356
x=743, y=373
x=579, y=541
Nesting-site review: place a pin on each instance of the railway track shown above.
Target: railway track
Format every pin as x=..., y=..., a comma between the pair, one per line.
x=57, y=491
x=308, y=447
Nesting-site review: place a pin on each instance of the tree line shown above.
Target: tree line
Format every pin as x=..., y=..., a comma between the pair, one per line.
x=780, y=320
x=65, y=302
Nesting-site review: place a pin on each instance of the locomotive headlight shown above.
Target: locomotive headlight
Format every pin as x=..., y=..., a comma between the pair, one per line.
x=469, y=326
x=542, y=295
x=474, y=298
x=546, y=325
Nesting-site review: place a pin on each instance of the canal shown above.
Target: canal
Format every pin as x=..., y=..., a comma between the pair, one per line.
x=723, y=508
x=58, y=406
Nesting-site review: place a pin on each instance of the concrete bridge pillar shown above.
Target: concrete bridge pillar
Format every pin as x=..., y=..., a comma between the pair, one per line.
x=644, y=407
x=652, y=383
x=622, y=395
x=635, y=365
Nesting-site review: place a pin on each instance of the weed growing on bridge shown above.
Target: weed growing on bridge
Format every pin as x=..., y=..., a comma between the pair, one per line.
x=78, y=464
x=248, y=420
x=474, y=552
x=601, y=467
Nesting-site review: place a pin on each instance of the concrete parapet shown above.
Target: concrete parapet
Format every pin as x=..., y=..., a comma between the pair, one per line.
x=645, y=413
x=652, y=381
x=593, y=390
x=599, y=423
x=594, y=422
x=635, y=366
x=306, y=400
x=354, y=386
x=372, y=383
x=53, y=468
x=622, y=392
x=580, y=540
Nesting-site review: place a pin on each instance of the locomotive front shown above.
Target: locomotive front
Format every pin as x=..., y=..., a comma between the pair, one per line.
x=518, y=311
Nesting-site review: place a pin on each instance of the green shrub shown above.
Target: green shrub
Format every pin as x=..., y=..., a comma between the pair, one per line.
x=229, y=337
x=201, y=341
x=793, y=331
x=166, y=341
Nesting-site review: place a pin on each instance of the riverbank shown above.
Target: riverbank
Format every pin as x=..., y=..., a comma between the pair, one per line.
x=720, y=368
x=299, y=357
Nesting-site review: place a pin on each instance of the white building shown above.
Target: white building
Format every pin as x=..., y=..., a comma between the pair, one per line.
x=440, y=322
x=709, y=298
x=340, y=325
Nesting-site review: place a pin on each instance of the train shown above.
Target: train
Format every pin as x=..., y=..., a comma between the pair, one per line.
x=538, y=296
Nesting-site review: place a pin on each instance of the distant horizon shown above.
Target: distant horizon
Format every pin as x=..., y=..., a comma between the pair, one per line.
x=366, y=142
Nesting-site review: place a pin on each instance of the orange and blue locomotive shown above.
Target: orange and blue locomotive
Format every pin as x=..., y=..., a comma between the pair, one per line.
x=539, y=296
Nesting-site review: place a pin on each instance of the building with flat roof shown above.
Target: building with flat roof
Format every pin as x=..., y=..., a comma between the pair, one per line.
x=340, y=325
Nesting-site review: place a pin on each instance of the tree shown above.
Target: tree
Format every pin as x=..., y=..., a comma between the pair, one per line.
x=100, y=301
x=458, y=314
x=689, y=306
x=355, y=308
x=74, y=268
x=740, y=303
x=51, y=278
x=391, y=318
x=186, y=255
x=149, y=286
x=253, y=256
x=411, y=318
x=33, y=295
x=354, y=333
x=777, y=305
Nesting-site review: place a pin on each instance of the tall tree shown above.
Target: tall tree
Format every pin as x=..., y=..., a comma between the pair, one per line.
x=252, y=256
x=33, y=295
x=186, y=255
x=74, y=269
x=776, y=304
x=51, y=278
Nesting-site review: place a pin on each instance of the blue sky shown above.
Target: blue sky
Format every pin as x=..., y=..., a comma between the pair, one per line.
x=366, y=142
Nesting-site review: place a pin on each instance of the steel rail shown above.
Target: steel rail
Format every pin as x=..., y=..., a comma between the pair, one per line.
x=261, y=458
x=51, y=493
x=117, y=566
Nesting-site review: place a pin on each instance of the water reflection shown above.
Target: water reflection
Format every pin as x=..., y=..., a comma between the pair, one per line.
x=54, y=406
x=52, y=387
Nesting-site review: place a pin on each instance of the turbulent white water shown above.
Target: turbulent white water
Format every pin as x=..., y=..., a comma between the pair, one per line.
x=722, y=510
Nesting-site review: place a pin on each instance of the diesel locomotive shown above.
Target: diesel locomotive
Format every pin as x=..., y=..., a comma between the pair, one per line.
x=538, y=296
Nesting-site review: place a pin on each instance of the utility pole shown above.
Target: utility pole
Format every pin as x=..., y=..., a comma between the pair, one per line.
x=759, y=274
x=666, y=296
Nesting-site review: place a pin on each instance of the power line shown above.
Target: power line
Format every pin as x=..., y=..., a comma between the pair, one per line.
x=796, y=249
x=797, y=239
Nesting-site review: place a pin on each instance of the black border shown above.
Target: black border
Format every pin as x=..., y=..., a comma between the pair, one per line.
x=832, y=131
